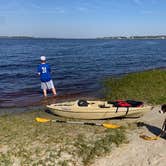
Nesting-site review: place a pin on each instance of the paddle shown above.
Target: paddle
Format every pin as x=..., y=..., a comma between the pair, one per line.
x=106, y=125
x=148, y=138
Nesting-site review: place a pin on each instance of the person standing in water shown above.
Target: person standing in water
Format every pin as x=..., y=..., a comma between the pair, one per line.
x=44, y=71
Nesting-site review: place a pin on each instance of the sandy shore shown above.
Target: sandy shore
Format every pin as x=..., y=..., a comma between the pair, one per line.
x=140, y=152
x=26, y=142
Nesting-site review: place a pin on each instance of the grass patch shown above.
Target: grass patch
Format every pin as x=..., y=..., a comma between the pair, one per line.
x=89, y=149
x=148, y=86
x=26, y=142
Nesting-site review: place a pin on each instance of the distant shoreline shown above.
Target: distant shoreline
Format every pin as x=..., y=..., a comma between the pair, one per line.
x=101, y=38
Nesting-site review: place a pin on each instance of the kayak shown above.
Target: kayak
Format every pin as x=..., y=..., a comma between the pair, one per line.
x=95, y=110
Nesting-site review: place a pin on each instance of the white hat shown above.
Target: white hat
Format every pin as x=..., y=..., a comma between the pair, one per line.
x=42, y=58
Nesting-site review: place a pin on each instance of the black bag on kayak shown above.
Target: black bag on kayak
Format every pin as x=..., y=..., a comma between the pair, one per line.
x=82, y=103
x=135, y=103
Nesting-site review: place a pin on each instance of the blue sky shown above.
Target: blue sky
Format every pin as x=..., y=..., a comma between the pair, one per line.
x=82, y=18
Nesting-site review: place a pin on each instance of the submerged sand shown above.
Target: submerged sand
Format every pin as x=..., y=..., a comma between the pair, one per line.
x=140, y=152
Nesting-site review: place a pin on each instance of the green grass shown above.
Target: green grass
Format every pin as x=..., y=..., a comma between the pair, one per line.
x=148, y=86
x=89, y=149
x=27, y=142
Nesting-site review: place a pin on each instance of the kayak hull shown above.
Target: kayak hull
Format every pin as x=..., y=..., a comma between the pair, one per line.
x=94, y=111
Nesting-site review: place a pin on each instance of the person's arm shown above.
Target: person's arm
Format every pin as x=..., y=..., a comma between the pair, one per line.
x=38, y=70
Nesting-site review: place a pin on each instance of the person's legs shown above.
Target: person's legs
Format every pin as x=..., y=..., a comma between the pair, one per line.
x=44, y=88
x=54, y=91
x=45, y=92
x=51, y=86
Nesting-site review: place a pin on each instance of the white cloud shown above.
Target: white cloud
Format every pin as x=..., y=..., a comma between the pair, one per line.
x=40, y=9
x=146, y=12
x=137, y=2
x=82, y=9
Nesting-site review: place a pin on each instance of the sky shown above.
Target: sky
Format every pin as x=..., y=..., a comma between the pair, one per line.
x=82, y=18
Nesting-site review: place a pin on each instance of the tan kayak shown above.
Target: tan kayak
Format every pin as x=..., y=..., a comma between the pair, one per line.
x=95, y=110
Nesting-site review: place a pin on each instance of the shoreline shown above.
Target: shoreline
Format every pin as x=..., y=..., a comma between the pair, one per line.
x=132, y=37
x=35, y=98
x=40, y=104
x=39, y=99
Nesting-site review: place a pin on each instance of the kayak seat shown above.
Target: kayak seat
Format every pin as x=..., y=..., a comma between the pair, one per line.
x=103, y=106
x=82, y=103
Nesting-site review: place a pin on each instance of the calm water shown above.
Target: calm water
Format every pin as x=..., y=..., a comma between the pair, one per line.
x=78, y=66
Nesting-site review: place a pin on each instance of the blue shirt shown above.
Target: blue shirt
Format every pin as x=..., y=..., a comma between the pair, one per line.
x=44, y=70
